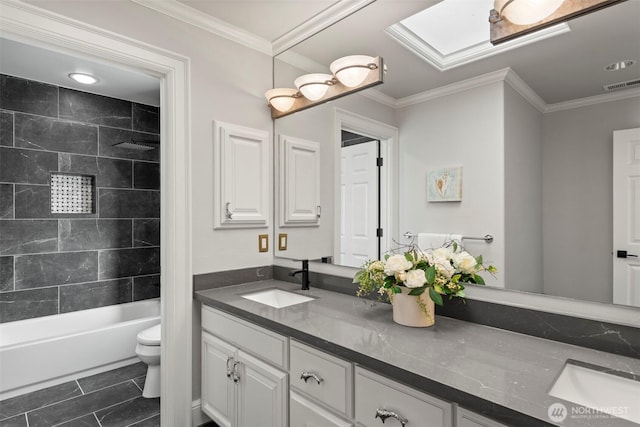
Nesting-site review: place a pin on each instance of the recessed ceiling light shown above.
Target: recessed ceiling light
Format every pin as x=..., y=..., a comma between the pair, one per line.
x=85, y=79
x=620, y=65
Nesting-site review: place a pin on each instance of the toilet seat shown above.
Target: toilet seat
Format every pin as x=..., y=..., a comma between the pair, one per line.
x=150, y=336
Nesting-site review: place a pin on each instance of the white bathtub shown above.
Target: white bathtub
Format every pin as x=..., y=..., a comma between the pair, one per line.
x=41, y=352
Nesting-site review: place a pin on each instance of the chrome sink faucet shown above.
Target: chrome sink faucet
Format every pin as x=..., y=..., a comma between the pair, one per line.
x=304, y=274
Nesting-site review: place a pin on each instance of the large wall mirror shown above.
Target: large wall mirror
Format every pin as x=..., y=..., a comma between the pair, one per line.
x=529, y=124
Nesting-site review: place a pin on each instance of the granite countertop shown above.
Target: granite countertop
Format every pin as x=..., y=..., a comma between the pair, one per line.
x=494, y=372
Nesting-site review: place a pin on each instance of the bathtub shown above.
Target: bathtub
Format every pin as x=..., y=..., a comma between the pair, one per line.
x=45, y=351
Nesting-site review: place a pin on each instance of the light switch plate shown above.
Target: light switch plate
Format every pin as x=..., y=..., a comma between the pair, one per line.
x=263, y=243
x=282, y=241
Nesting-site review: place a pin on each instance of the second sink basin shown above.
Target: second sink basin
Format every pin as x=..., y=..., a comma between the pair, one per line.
x=594, y=387
x=277, y=298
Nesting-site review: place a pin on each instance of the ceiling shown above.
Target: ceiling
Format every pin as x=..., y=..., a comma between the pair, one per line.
x=558, y=69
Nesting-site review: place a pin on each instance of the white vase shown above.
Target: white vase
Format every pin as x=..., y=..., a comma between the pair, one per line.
x=416, y=311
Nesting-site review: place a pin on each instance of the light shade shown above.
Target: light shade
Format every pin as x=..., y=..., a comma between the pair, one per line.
x=281, y=98
x=85, y=79
x=526, y=12
x=314, y=86
x=352, y=70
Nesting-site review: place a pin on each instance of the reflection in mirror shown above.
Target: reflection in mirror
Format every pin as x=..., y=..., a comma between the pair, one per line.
x=531, y=127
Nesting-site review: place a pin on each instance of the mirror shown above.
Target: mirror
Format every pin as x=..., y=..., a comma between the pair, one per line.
x=530, y=126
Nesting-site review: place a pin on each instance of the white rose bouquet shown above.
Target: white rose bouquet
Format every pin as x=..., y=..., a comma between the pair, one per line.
x=441, y=271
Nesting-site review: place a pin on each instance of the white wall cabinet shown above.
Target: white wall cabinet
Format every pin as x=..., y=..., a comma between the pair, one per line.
x=299, y=182
x=242, y=176
x=240, y=389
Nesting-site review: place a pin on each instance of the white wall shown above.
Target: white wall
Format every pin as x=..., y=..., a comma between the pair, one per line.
x=577, y=197
x=523, y=193
x=228, y=82
x=464, y=129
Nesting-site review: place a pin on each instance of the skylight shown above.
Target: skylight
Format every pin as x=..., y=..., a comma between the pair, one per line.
x=456, y=32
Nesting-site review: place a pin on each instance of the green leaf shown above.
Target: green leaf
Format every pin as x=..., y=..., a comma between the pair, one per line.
x=430, y=274
x=408, y=257
x=479, y=259
x=396, y=290
x=358, y=277
x=417, y=291
x=435, y=297
x=479, y=280
x=455, y=246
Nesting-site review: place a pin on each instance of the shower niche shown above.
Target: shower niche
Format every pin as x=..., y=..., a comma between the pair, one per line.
x=73, y=193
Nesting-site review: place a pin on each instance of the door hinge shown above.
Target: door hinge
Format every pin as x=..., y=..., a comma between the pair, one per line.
x=379, y=232
x=379, y=161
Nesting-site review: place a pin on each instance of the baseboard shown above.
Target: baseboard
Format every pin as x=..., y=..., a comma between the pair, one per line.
x=197, y=416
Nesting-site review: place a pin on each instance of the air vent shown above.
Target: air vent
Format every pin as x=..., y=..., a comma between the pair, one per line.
x=629, y=84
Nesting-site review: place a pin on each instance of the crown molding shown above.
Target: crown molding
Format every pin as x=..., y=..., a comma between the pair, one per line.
x=592, y=100
x=519, y=85
x=334, y=13
x=208, y=23
x=379, y=97
x=450, y=89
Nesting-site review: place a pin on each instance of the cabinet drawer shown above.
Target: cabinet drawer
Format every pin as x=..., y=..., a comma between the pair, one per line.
x=374, y=392
x=304, y=413
x=261, y=342
x=335, y=377
x=465, y=418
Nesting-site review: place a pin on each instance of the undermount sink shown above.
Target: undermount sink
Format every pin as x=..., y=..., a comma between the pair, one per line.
x=277, y=298
x=612, y=392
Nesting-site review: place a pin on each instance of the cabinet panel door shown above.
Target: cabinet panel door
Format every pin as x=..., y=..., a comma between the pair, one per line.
x=299, y=164
x=218, y=400
x=241, y=195
x=304, y=413
x=262, y=393
x=376, y=393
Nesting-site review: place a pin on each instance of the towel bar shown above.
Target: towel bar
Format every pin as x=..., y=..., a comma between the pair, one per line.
x=488, y=238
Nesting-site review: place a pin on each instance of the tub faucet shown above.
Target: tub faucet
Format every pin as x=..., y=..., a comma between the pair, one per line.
x=305, y=274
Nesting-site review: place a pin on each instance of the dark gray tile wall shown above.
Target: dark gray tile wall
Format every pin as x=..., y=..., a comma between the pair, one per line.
x=56, y=263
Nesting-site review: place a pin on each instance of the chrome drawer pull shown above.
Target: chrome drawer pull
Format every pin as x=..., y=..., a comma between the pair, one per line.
x=236, y=376
x=229, y=359
x=383, y=414
x=306, y=375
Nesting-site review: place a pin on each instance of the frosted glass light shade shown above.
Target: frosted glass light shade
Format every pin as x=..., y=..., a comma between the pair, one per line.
x=314, y=86
x=351, y=70
x=281, y=98
x=526, y=12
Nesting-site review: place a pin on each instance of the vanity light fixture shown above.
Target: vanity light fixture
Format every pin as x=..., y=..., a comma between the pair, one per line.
x=510, y=19
x=282, y=98
x=85, y=79
x=314, y=86
x=350, y=74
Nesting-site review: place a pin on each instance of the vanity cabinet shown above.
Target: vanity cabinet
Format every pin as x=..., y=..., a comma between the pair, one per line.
x=321, y=388
x=380, y=401
x=241, y=386
x=466, y=418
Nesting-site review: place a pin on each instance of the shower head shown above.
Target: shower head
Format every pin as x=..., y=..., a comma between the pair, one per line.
x=138, y=144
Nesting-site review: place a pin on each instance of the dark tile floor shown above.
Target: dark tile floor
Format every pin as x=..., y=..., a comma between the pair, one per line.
x=109, y=399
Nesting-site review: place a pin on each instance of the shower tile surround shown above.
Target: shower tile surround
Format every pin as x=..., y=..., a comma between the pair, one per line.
x=112, y=398
x=54, y=263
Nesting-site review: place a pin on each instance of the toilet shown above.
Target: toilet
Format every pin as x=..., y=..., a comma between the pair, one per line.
x=148, y=351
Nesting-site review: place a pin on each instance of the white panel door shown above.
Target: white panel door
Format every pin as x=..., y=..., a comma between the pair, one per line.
x=217, y=391
x=262, y=394
x=299, y=182
x=626, y=217
x=241, y=198
x=359, y=208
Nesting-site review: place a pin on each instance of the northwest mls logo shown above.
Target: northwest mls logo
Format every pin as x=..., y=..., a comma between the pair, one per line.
x=557, y=412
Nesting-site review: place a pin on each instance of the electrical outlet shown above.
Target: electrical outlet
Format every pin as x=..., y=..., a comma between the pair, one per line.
x=263, y=243
x=282, y=241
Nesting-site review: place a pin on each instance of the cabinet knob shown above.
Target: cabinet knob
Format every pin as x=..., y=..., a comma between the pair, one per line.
x=383, y=414
x=228, y=210
x=306, y=375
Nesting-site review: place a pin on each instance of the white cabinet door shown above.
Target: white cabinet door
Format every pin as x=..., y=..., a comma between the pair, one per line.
x=218, y=400
x=466, y=418
x=299, y=182
x=262, y=393
x=242, y=176
x=381, y=402
x=305, y=413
